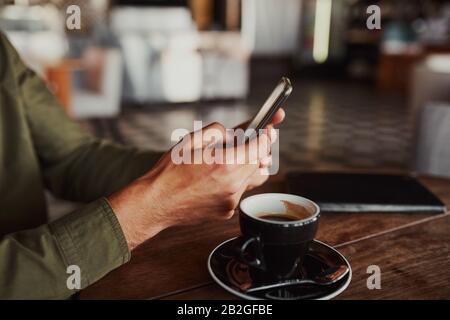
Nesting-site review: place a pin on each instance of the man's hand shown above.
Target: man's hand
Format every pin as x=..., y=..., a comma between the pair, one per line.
x=179, y=194
x=261, y=176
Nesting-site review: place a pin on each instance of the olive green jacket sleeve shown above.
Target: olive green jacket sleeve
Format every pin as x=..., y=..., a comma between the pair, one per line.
x=75, y=166
x=37, y=263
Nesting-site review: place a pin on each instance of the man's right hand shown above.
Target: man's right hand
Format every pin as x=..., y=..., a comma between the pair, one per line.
x=180, y=194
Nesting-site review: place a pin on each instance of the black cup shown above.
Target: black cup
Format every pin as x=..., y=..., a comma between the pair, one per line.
x=274, y=250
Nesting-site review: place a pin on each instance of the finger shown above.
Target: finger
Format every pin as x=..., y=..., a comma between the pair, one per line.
x=272, y=133
x=250, y=174
x=245, y=186
x=248, y=156
x=215, y=133
x=264, y=172
x=278, y=117
x=243, y=125
x=266, y=162
x=228, y=215
x=258, y=178
x=252, y=152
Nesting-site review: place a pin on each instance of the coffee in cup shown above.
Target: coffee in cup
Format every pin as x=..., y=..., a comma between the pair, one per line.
x=276, y=229
x=293, y=212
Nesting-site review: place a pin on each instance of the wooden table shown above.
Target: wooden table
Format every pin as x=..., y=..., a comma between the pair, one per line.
x=412, y=250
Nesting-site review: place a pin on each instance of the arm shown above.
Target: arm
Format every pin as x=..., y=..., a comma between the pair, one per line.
x=33, y=263
x=98, y=237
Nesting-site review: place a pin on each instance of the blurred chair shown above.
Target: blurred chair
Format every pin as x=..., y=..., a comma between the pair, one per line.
x=160, y=53
x=430, y=104
x=100, y=97
x=430, y=82
x=433, y=140
x=168, y=60
x=225, y=65
x=37, y=33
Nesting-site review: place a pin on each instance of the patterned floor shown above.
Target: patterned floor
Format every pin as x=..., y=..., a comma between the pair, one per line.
x=327, y=124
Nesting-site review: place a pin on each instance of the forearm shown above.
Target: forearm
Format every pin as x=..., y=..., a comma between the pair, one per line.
x=139, y=212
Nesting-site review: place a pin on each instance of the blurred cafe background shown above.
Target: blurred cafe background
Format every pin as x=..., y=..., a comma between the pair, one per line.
x=138, y=69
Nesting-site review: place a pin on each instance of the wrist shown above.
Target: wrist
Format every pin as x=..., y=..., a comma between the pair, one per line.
x=137, y=213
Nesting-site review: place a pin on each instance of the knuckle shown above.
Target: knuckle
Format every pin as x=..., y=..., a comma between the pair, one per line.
x=232, y=188
x=221, y=167
x=264, y=137
x=231, y=203
x=224, y=169
x=216, y=125
x=228, y=215
x=218, y=172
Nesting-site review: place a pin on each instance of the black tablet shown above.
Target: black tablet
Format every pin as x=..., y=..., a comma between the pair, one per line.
x=349, y=192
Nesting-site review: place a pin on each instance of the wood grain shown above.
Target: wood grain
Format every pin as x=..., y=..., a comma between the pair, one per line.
x=175, y=260
x=414, y=263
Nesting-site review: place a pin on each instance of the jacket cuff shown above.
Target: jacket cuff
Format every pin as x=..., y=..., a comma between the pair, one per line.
x=92, y=239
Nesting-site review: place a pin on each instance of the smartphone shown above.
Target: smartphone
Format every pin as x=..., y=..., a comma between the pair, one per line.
x=272, y=104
